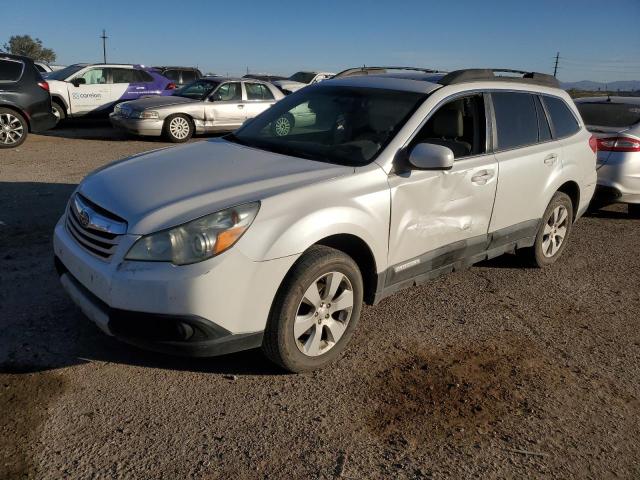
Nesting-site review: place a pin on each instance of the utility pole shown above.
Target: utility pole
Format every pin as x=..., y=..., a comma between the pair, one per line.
x=104, y=46
x=555, y=68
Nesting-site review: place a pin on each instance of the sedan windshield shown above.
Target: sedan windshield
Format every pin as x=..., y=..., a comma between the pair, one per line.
x=65, y=72
x=198, y=90
x=302, y=77
x=343, y=125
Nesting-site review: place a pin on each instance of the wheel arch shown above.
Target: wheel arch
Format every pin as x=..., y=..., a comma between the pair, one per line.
x=18, y=110
x=572, y=190
x=58, y=99
x=362, y=254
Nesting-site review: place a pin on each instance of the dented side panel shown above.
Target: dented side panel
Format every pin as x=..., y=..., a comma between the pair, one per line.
x=431, y=209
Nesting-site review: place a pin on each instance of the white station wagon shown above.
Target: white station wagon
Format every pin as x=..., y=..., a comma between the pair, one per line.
x=276, y=240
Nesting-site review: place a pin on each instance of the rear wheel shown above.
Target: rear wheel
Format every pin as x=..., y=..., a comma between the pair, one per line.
x=634, y=209
x=315, y=312
x=178, y=128
x=58, y=111
x=13, y=128
x=554, y=231
x=283, y=125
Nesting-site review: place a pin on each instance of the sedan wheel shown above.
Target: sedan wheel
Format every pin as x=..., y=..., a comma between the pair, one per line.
x=13, y=129
x=178, y=128
x=283, y=126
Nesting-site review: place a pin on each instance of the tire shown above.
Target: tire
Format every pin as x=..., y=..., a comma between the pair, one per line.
x=554, y=232
x=634, y=209
x=59, y=111
x=283, y=125
x=178, y=128
x=300, y=337
x=13, y=128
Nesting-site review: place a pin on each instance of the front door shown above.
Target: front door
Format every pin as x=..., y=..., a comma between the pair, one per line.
x=93, y=94
x=439, y=218
x=225, y=107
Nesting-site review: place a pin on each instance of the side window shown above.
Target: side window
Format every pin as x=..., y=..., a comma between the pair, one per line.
x=229, y=92
x=188, y=76
x=544, y=131
x=173, y=75
x=142, y=76
x=258, y=91
x=40, y=68
x=95, y=76
x=124, y=75
x=563, y=121
x=10, y=70
x=459, y=125
x=516, y=120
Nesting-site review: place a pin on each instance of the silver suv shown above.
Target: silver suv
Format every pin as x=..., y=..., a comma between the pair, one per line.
x=275, y=237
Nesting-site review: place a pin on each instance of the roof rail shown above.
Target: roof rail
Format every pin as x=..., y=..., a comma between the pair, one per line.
x=364, y=70
x=489, y=74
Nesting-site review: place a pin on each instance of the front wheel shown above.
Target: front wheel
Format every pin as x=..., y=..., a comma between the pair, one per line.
x=315, y=312
x=13, y=128
x=178, y=128
x=554, y=231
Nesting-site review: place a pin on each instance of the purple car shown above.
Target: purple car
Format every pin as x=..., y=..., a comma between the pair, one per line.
x=84, y=89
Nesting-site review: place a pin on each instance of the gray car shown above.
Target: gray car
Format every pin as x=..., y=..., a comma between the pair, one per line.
x=615, y=121
x=211, y=104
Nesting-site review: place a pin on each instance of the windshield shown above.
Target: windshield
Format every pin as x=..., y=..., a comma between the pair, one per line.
x=65, y=73
x=198, y=90
x=604, y=114
x=343, y=125
x=302, y=77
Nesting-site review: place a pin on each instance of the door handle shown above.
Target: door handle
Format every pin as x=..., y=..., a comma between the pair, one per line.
x=240, y=106
x=550, y=159
x=482, y=177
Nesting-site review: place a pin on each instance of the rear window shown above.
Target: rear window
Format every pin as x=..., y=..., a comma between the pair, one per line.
x=563, y=122
x=10, y=70
x=516, y=119
x=142, y=76
x=606, y=114
x=258, y=91
x=189, y=76
x=173, y=75
x=124, y=75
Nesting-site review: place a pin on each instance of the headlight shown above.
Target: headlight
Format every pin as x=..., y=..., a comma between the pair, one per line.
x=149, y=114
x=197, y=240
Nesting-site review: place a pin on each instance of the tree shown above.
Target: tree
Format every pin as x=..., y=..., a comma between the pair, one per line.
x=29, y=47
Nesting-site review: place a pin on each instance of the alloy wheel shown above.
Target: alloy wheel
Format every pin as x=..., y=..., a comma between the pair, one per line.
x=323, y=314
x=11, y=129
x=282, y=127
x=555, y=231
x=179, y=128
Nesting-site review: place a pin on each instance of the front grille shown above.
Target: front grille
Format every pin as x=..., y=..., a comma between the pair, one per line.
x=100, y=243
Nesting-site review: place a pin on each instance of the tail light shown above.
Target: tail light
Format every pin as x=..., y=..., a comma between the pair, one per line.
x=44, y=85
x=593, y=143
x=619, y=144
x=171, y=86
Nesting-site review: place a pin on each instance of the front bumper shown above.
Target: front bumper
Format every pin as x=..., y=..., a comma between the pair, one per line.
x=137, y=126
x=209, y=308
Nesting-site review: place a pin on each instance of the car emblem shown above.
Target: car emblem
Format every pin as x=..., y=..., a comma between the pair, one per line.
x=83, y=216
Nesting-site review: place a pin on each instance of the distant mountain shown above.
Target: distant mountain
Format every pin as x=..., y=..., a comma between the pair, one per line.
x=622, y=85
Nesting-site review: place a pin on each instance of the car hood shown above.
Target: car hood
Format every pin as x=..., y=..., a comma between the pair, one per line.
x=156, y=101
x=289, y=84
x=170, y=186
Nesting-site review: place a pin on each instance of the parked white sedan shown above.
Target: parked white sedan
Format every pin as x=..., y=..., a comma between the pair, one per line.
x=211, y=104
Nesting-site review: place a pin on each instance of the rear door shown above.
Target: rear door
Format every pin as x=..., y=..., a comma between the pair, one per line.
x=92, y=95
x=529, y=160
x=441, y=217
x=226, y=106
x=258, y=99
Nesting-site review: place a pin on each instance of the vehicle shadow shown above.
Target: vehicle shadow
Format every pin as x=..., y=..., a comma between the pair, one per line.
x=41, y=328
x=613, y=212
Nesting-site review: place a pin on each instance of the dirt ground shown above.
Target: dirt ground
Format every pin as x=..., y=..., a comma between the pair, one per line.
x=501, y=371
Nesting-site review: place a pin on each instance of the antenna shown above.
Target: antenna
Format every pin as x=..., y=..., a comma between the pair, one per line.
x=104, y=46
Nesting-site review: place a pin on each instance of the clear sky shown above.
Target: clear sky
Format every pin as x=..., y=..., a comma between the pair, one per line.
x=597, y=40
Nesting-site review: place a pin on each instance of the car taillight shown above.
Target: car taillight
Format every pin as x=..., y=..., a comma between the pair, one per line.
x=44, y=85
x=171, y=86
x=619, y=144
x=593, y=143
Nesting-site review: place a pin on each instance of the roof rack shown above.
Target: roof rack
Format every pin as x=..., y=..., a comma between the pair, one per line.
x=364, y=70
x=489, y=74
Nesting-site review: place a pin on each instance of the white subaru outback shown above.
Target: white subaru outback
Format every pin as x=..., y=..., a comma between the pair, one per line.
x=272, y=239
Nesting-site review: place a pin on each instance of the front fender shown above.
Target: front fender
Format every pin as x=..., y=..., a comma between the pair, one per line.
x=289, y=223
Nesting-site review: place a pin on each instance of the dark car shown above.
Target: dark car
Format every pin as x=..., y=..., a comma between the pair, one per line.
x=180, y=75
x=25, y=103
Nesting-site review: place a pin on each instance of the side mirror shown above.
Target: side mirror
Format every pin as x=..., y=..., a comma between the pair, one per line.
x=429, y=156
x=78, y=81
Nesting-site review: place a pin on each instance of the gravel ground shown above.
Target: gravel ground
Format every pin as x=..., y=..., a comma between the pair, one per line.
x=501, y=371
